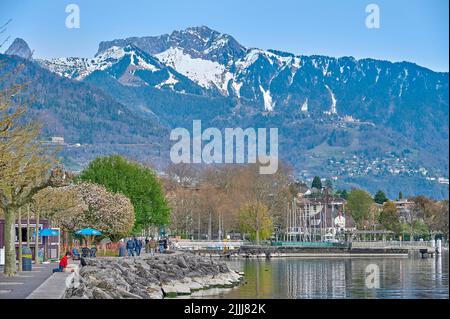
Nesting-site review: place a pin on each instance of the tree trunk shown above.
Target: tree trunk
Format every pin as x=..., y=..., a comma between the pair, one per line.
x=210, y=226
x=199, y=221
x=219, y=233
x=10, y=247
x=28, y=227
x=67, y=245
x=36, y=240
x=19, y=225
x=257, y=225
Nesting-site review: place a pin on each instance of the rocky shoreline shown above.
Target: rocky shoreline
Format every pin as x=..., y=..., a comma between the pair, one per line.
x=157, y=277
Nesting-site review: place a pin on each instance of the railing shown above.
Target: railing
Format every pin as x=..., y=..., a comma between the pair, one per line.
x=308, y=244
x=195, y=245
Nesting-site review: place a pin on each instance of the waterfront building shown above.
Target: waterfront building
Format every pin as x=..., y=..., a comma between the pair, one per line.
x=404, y=209
x=317, y=216
x=51, y=245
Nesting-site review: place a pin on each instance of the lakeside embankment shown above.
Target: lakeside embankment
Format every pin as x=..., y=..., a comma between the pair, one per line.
x=299, y=251
x=255, y=251
x=150, y=277
x=319, y=249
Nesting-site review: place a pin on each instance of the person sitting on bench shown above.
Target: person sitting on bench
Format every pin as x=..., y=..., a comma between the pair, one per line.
x=75, y=254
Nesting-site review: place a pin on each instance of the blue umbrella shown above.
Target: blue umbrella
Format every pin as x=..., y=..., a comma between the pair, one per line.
x=48, y=232
x=89, y=232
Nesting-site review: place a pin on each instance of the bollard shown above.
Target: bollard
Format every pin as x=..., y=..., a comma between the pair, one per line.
x=26, y=259
x=439, y=246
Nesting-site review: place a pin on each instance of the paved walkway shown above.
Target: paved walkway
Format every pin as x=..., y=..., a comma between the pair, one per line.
x=52, y=288
x=25, y=282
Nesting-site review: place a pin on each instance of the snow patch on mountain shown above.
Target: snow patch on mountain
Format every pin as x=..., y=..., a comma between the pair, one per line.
x=142, y=63
x=171, y=81
x=304, y=107
x=237, y=88
x=79, y=68
x=378, y=74
x=268, y=104
x=248, y=60
x=204, y=72
x=333, y=101
x=219, y=43
x=73, y=68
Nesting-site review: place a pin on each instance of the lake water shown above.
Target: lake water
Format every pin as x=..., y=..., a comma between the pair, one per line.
x=294, y=278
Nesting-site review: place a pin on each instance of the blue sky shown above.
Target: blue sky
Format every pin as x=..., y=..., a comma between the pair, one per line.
x=411, y=30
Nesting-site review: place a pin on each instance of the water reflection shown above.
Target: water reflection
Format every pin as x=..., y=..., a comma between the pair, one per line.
x=341, y=278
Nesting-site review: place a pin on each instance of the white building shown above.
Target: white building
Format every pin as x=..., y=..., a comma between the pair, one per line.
x=57, y=140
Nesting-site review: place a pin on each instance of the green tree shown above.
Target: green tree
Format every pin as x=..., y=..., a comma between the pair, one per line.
x=389, y=217
x=420, y=229
x=138, y=183
x=316, y=183
x=329, y=185
x=359, y=204
x=342, y=193
x=255, y=219
x=380, y=197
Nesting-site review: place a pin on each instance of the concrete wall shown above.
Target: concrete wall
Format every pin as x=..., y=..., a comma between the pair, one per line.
x=410, y=245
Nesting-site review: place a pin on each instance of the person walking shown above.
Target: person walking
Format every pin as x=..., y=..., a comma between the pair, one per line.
x=161, y=245
x=122, y=248
x=138, y=246
x=131, y=246
x=147, y=250
x=152, y=245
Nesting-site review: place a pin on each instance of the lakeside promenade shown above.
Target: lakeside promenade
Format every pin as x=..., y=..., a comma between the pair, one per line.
x=24, y=283
x=40, y=283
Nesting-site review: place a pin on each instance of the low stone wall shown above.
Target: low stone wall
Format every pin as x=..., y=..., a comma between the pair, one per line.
x=150, y=277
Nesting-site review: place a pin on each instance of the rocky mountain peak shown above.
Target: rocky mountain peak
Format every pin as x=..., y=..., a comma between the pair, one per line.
x=198, y=42
x=19, y=48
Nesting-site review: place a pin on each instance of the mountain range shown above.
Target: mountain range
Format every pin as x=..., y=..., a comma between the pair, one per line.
x=363, y=123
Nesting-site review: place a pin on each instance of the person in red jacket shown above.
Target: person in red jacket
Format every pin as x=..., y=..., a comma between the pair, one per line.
x=62, y=263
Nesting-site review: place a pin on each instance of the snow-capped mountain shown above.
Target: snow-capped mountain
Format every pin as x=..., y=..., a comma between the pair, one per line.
x=198, y=42
x=203, y=61
x=129, y=65
x=329, y=111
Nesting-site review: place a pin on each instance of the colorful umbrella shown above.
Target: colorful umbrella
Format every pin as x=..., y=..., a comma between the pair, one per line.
x=48, y=232
x=89, y=232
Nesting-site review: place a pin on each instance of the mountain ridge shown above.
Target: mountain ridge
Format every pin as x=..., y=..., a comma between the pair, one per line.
x=330, y=111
